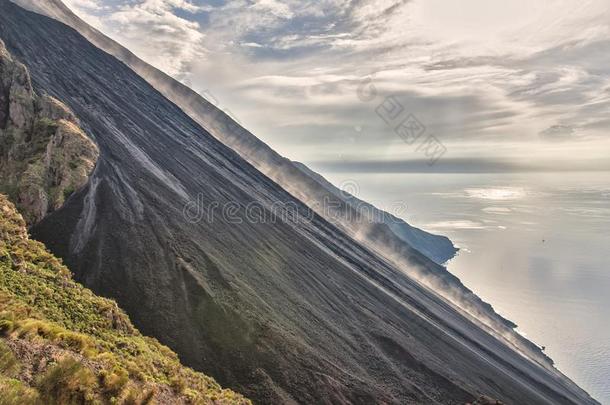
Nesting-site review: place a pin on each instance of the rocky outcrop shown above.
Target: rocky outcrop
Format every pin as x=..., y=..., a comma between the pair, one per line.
x=44, y=154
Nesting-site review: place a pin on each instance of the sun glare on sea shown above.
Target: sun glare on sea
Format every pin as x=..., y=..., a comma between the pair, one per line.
x=499, y=193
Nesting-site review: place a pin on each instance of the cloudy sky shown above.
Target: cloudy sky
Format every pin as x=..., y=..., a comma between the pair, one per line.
x=497, y=85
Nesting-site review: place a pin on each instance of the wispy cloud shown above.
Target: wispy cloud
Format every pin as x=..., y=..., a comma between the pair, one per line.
x=485, y=78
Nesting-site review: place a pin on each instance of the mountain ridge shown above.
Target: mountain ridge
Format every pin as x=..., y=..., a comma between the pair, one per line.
x=296, y=310
x=232, y=134
x=439, y=249
x=377, y=235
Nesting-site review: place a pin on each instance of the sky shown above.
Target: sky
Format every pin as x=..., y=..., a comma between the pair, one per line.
x=390, y=86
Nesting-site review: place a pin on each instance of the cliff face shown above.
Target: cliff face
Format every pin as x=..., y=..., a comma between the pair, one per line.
x=276, y=302
x=438, y=248
x=44, y=154
x=61, y=344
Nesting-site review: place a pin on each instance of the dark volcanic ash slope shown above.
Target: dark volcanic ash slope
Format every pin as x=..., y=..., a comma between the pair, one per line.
x=396, y=240
x=284, y=311
x=301, y=183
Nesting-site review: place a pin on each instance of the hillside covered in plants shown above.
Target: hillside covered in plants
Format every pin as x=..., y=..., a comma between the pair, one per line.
x=61, y=344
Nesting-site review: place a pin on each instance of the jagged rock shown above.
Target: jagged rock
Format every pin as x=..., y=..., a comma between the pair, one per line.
x=55, y=110
x=44, y=155
x=21, y=100
x=17, y=100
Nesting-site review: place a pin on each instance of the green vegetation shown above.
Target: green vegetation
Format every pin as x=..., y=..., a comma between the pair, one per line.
x=8, y=363
x=68, y=192
x=68, y=382
x=83, y=347
x=14, y=392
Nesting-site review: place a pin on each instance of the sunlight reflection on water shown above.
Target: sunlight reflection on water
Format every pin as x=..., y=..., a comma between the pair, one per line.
x=498, y=193
x=535, y=246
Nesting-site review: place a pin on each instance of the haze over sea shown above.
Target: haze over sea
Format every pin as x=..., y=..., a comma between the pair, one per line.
x=535, y=246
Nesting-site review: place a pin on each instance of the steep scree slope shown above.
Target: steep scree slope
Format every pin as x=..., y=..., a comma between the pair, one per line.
x=300, y=183
x=291, y=310
x=394, y=239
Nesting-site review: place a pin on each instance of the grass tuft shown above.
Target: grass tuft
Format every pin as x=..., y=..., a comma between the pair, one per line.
x=68, y=383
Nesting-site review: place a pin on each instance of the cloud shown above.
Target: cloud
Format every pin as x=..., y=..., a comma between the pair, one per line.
x=558, y=133
x=274, y=7
x=156, y=30
x=89, y=5
x=499, y=79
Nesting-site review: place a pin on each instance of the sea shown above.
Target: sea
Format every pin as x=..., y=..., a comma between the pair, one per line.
x=536, y=246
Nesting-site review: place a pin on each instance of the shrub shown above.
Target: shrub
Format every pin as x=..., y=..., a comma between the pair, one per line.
x=45, y=127
x=68, y=383
x=178, y=384
x=113, y=381
x=134, y=395
x=15, y=393
x=74, y=341
x=9, y=365
x=6, y=327
x=68, y=191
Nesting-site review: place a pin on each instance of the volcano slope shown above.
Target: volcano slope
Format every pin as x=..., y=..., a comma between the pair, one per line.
x=286, y=310
x=387, y=235
x=303, y=184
